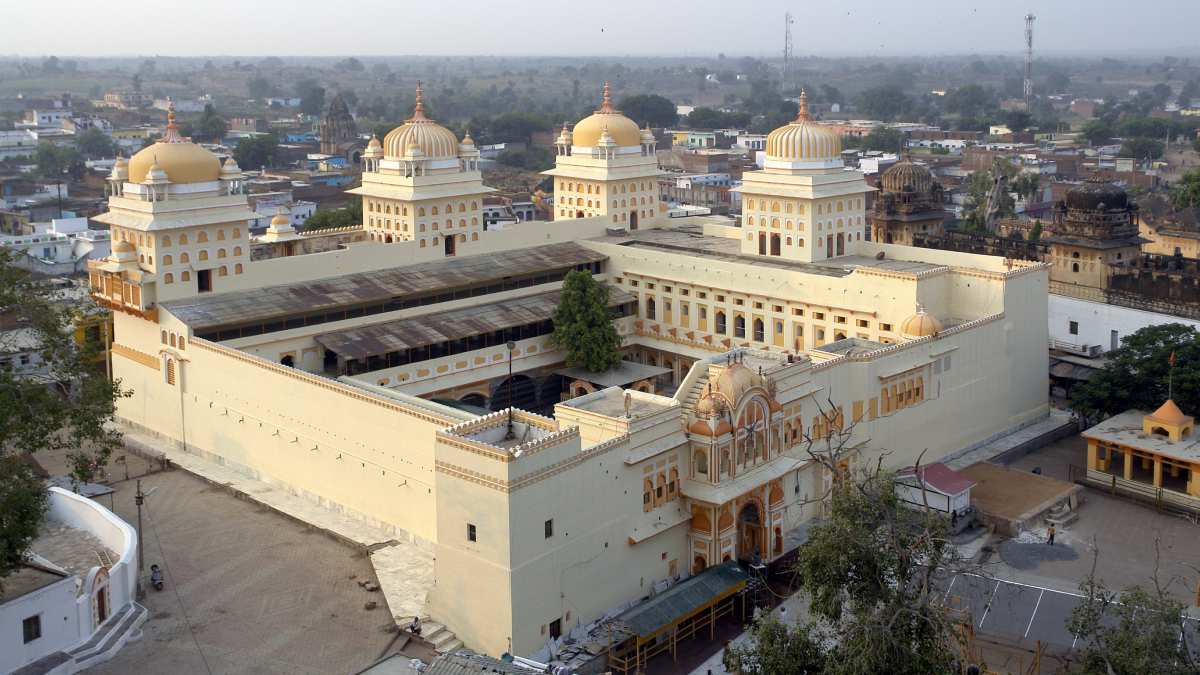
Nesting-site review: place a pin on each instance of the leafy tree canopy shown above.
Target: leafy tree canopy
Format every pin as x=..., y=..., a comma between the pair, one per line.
x=1142, y=148
x=1186, y=193
x=583, y=324
x=94, y=144
x=327, y=218
x=1136, y=373
x=652, y=109
x=256, y=152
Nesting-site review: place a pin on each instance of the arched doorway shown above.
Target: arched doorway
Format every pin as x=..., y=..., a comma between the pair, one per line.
x=829, y=246
x=579, y=214
x=448, y=243
x=841, y=244
x=750, y=531
x=633, y=215
x=775, y=244
x=762, y=243
x=288, y=361
x=477, y=400
x=524, y=393
x=699, y=565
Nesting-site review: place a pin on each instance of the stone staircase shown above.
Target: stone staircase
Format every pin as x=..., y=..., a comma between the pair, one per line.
x=405, y=573
x=695, y=392
x=442, y=639
x=116, y=630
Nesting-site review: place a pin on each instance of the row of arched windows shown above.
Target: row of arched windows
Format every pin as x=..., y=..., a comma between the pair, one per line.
x=186, y=275
x=402, y=209
x=660, y=490
x=185, y=258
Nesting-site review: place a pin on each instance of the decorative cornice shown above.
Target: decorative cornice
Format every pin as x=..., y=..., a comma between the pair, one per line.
x=148, y=360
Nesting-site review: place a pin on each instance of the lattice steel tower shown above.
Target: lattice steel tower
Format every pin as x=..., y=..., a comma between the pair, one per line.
x=1029, y=56
x=786, y=84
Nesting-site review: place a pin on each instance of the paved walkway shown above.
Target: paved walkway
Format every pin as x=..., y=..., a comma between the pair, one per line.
x=989, y=451
x=404, y=570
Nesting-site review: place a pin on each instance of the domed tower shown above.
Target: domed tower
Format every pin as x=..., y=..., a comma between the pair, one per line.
x=909, y=203
x=1093, y=230
x=803, y=205
x=421, y=184
x=178, y=223
x=606, y=167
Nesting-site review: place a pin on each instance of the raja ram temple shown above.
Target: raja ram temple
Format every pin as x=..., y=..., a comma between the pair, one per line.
x=340, y=374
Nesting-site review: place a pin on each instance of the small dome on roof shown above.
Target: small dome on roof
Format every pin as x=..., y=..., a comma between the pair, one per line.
x=281, y=218
x=905, y=176
x=803, y=140
x=122, y=246
x=155, y=174
x=624, y=131
x=179, y=159
x=735, y=381
x=703, y=428
x=432, y=139
x=921, y=324
x=1170, y=413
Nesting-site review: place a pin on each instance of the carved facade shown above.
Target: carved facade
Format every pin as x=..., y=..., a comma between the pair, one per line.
x=339, y=133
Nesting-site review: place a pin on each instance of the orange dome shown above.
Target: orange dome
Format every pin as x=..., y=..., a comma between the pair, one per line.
x=735, y=380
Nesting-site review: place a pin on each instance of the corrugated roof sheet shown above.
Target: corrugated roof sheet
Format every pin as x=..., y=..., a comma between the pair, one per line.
x=240, y=307
x=682, y=599
x=418, y=331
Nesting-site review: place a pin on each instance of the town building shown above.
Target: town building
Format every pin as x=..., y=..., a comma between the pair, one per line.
x=410, y=378
x=128, y=100
x=909, y=203
x=70, y=605
x=339, y=133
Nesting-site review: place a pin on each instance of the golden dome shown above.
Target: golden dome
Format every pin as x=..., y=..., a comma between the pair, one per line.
x=122, y=246
x=281, y=218
x=182, y=160
x=622, y=129
x=735, y=381
x=434, y=140
x=921, y=324
x=467, y=140
x=803, y=140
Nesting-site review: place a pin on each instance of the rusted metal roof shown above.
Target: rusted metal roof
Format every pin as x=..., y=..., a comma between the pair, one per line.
x=419, y=331
x=276, y=302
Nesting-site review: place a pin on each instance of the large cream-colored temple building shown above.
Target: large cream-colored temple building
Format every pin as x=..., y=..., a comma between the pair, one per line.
x=341, y=369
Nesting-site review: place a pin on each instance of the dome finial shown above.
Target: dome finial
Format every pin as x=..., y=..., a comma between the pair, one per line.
x=606, y=105
x=171, y=135
x=803, y=115
x=419, y=108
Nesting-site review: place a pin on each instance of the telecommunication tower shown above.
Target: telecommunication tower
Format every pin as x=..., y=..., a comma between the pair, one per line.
x=1029, y=18
x=786, y=83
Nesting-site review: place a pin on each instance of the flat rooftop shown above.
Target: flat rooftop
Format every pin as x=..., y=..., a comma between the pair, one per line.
x=624, y=374
x=851, y=346
x=363, y=342
x=610, y=402
x=1126, y=429
x=689, y=239
x=72, y=549
x=208, y=311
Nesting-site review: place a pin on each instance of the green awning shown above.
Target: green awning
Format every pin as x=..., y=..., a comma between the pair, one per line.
x=683, y=599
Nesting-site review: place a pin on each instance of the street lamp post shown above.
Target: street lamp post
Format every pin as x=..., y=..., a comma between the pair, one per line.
x=140, y=498
x=510, y=434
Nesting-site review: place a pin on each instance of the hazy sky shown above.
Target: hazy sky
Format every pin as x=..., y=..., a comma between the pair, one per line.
x=611, y=27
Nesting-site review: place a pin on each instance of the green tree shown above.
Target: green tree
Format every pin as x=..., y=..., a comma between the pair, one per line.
x=1026, y=185
x=54, y=161
x=1186, y=193
x=324, y=219
x=75, y=416
x=884, y=139
x=256, y=152
x=1035, y=234
x=211, y=127
x=259, y=87
x=969, y=101
x=1098, y=131
x=532, y=158
x=775, y=648
x=652, y=109
x=312, y=96
x=1142, y=148
x=94, y=144
x=583, y=324
x=886, y=103
x=1135, y=375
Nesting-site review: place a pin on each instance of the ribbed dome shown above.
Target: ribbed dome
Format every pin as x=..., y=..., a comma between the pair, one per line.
x=803, y=140
x=374, y=148
x=906, y=177
x=182, y=160
x=921, y=324
x=1094, y=192
x=702, y=428
x=434, y=140
x=735, y=380
x=624, y=131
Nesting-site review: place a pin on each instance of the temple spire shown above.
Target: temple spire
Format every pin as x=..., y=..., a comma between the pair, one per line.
x=419, y=108
x=606, y=105
x=803, y=115
x=171, y=135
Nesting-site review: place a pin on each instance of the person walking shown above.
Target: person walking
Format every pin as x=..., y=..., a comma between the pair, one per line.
x=1050, y=535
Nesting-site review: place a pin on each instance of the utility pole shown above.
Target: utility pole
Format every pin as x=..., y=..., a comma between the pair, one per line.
x=510, y=434
x=139, y=499
x=1029, y=18
x=786, y=83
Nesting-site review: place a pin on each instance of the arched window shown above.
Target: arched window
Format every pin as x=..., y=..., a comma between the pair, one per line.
x=721, y=327
x=724, y=463
x=237, y=250
x=220, y=253
x=183, y=258
x=650, y=309
x=164, y=337
x=185, y=276
x=183, y=240
x=420, y=211
x=202, y=237
x=647, y=495
x=168, y=278
x=167, y=260
x=237, y=269
x=166, y=240
x=204, y=255
x=473, y=206
x=739, y=326
x=221, y=234
x=433, y=210
x=462, y=206
x=223, y=272
x=700, y=463
x=172, y=339
x=759, y=335
x=1074, y=267
x=673, y=483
